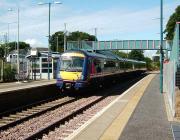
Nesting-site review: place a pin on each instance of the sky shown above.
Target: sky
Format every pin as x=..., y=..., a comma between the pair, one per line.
x=114, y=19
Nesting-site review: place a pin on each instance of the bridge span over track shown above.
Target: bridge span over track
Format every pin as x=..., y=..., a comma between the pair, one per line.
x=117, y=45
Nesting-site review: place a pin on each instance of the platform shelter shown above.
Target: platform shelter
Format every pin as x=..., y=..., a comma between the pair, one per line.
x=38, y=60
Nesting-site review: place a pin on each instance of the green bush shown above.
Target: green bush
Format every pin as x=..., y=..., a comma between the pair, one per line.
x=9, y=73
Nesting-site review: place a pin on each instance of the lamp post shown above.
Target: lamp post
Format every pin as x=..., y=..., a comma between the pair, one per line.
x=49, y=30
x=17, y=41
x=9, y=23
x=161, y=46
x=8, y=34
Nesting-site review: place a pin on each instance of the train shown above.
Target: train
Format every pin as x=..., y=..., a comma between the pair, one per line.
x=78, y=69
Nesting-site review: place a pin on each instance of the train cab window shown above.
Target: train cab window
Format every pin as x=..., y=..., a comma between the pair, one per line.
x=72, y=64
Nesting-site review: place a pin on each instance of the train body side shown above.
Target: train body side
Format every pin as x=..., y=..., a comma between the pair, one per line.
x=84, y=69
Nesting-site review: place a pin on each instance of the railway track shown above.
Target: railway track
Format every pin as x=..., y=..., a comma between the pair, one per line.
x=73, y=113
x=35, y=127
x=31, y=111
x=62, y=116
x=66, y=129
x=20, y=108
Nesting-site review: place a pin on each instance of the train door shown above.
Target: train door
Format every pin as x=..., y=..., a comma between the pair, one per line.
x=95, y=66
x=91, y=67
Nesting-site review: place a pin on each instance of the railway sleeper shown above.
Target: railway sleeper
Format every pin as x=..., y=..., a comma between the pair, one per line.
x=8, y=118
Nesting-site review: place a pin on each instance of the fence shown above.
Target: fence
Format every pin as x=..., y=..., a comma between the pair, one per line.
x=171, y=68
x=169, y=83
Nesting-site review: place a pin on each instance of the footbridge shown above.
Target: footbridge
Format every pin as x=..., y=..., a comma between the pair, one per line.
x=118, y=45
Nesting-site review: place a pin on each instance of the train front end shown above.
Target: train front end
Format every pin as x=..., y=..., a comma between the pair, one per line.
x=72, y=71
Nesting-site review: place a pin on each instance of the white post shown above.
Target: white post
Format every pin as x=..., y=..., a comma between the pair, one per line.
x=52, y=73
x=40, y=65
x=32, y=69
x=117, y=44
x=122, y=44
x=147, y=44
x=18, y=47
x=65, y=37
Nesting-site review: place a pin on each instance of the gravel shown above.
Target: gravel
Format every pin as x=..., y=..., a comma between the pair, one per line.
x=31, y=126
x=65, y=130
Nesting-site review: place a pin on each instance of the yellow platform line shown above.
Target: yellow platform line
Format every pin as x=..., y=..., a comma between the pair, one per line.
x=114, y=131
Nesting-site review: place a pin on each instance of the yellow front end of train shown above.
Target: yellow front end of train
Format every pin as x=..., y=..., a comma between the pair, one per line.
x=71, y=76
x=71, y=68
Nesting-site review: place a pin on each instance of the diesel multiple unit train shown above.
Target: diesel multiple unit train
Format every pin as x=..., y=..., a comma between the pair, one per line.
x=79, y=69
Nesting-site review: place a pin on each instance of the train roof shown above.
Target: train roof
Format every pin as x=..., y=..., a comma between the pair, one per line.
x=105, y=55
x=134, y=61
x=95, y=54
x=120, y=58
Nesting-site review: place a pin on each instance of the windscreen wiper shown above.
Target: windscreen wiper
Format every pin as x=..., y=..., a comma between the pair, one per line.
x=69, y=66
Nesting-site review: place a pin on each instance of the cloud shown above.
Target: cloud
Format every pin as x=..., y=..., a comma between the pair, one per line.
x=34, y=43
x=113, y=23
x=149, y=53
x=4, y=4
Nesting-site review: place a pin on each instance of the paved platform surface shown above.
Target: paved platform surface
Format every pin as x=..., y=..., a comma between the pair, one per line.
x=139, y=114
x=176, y=131
x=5, y=87
x=149, y=120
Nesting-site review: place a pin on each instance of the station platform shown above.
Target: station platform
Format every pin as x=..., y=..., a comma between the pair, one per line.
x=137, y=114
x=14, y=86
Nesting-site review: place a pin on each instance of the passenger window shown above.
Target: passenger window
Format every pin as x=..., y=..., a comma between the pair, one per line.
x=98, y=69
x=97, y=64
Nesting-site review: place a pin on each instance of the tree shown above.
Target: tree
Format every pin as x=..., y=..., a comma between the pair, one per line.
x=137, y=55
x=121, y=54
x=1, y=51
x=8, y=47
x=9, y=72
x=170, y=27
x=74, y=36
x=78, y=36
x=158, y=52
x=57, y=37
x=22, y=45
x=148, y=63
